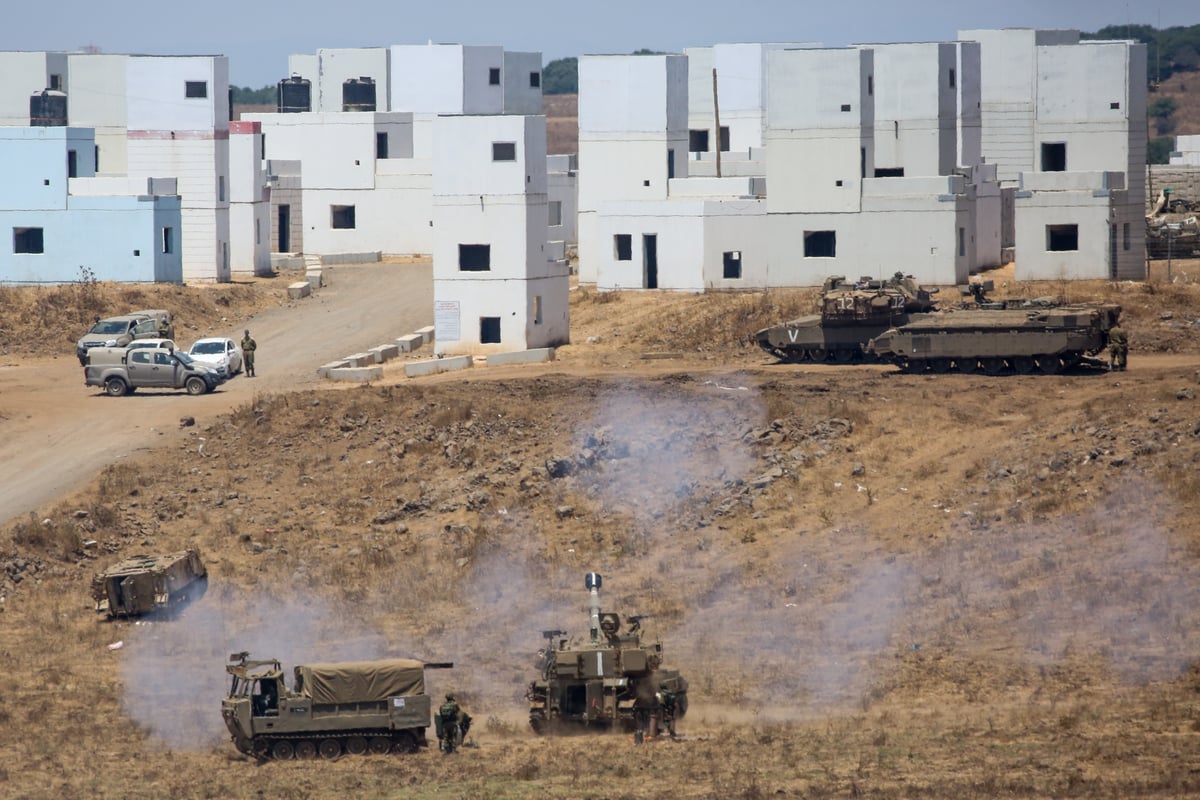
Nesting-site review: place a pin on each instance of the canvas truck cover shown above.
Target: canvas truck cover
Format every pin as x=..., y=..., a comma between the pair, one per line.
x=360, y=681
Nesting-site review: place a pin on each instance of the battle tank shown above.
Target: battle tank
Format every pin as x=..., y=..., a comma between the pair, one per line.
x=609, y=679
x=849, y=315
x=148, y=584
x=998, y=341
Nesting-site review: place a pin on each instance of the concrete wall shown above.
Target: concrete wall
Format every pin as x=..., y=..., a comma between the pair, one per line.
x=562, y=187
x=447, y=79
x=970, y=102
x=23, y=74
x=1085, y=200
x=249, y=202
x=96, y=99
x=336, y=65
x=916, y=107
x=522, y=83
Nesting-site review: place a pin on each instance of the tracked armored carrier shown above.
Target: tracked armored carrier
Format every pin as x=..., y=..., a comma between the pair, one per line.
x=353, y=707
x=849, y=315
x=998, y=341
x=610, y=678
x=148, y=584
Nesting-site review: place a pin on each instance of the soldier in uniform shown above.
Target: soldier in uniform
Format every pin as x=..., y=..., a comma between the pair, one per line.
x=666, y=709
x=1118, y=348
x=453, y=724
x=248, y=348
x=165, y=329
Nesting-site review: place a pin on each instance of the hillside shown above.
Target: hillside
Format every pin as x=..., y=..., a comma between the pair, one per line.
x=883, y=584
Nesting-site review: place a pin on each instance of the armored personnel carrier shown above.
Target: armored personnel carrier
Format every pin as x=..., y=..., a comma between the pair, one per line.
x=147, y=584
x=353, y=707
x=607, y=679
x=849, y=314
x=998, y=341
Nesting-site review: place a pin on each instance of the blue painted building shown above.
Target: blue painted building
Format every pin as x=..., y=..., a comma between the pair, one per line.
x=59, y=222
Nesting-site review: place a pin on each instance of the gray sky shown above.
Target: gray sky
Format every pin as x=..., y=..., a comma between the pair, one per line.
x=258, y=36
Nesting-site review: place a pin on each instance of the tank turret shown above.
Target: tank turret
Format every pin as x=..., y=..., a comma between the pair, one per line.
x=848, y=315
x=611, y=678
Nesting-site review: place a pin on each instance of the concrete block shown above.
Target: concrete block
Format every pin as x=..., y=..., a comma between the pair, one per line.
x=536, y=356
x=298, y=290
x=369, y=257
x=412, y=341
x=361, y=359
x=384, y=352
x=416, y=369
x=323, y=370
x=314, y=278
x=426, y=334
x=282, y=261
x=356, y=374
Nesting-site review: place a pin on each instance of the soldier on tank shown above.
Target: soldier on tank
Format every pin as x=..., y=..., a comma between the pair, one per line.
x=1118, y=348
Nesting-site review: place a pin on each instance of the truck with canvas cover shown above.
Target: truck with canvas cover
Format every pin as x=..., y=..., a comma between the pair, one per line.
x=351, y=707
x=146, y=584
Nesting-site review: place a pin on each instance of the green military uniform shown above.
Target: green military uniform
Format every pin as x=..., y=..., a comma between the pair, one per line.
x=666, y=706
x=248, y=348
x=165, y=329
x=452, y=724
x=1118, y=348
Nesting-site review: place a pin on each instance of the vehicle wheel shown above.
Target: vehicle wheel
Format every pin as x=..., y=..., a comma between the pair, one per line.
x=405, y=742
x=843, y=356
x=939, y=366
x=967, y=366
x=993, y=366
x=817, y=354
x=115, y=387
x=306, y=749
x=283, y=750
x=195, y=385
x=1049, y=365
x=794, y=355
x=1023, y=365
x=356, y=745
x=261, y=749
x=380, y=745
x=916, y=365
x=330, y=748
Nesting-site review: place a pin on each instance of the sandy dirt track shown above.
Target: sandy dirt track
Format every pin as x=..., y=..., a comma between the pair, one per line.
x=56, y=433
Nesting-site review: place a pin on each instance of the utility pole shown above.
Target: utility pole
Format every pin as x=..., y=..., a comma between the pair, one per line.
x=717, y=118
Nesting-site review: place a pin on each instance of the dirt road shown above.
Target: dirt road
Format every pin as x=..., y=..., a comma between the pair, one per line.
x=55, y=433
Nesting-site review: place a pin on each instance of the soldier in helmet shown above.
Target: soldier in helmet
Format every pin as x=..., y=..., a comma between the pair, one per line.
x=1118, y=348
x=452, y=724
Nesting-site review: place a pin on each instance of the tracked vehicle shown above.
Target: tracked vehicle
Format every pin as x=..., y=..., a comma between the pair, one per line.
x=849, y=315
x=352, y=707
x=146, y=584
x=610, y=678
x=998, y=341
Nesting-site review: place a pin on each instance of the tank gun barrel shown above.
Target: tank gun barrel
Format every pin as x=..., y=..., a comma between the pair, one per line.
x=592, y=582
x=439, y=665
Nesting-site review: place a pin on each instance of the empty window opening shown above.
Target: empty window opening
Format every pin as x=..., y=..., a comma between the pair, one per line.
x=962, y=241
x=137, y=252
x=1126, y=235
x=724, y=138
x=504, y=151
x=97, y=159
x=535, y=80
x=220, y=188
x=72, y=164
x=494, y=76
x=845, y=106
x=1114, y=106
x=820, y=244
x=168, y=240
x=257, y=232
x=555, y=213
x=623, y=246
x=341, y=217
x=889, y=172
x=475, y=258
x=285, y=227
x=862, y=162
x=489, y=330
x=28, y=240
x=1062, y=237
x=697, y=141
x=670, y=164
x=732, y=261
x=645, y=183
x=56, y=83
x=1054, y=156
x=381, y=145
x=195, y=89
x=870, y=84
x=952, y=77
x=537, y=309
x=838, y=183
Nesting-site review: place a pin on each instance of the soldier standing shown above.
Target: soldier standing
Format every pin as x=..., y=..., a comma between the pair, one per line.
x=165, y=329
x=248, y=348
x=1118, y=348
x=453, y=724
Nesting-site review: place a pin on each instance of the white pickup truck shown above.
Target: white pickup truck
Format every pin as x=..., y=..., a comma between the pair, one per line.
x=122, y=370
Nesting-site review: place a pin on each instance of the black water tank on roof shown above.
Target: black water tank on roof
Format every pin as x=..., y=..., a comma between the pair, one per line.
x=48, y=109
x=293, y=95
x=358, y=94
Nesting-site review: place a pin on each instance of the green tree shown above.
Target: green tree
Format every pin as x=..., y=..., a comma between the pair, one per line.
x=1159, y=151
x=1168, y=50
x=561, y=76
x=1163, y=107
x=245, y=96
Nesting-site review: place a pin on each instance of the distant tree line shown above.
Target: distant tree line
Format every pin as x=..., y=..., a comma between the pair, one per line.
x=245, y=96
x=1168, y=50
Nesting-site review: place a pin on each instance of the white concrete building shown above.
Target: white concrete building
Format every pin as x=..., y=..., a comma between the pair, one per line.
x=249, y=202
x=331, y=68
x=562, y=198
x=65, y=224
x=633, y=140
x=499, y=285
x=362, y=189
x=1187, y=150
x=1065, y=228
x=522, y=83
x=21, y=74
